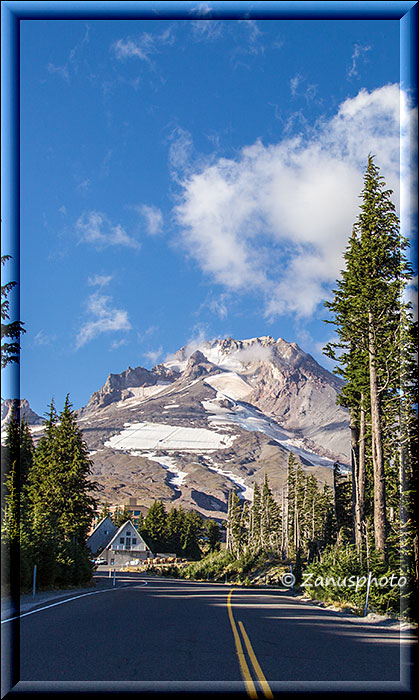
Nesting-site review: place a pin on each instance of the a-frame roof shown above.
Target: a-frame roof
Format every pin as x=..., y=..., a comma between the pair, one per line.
x=119, y=531
x=100, y=523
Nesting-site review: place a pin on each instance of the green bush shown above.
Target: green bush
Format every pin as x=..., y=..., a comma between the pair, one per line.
x=341, y=578
x=212, y=566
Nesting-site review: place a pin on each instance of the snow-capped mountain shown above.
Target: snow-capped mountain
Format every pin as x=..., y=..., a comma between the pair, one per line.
x=214, y=418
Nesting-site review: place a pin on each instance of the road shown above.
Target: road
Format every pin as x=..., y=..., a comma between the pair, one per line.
x=155, y=634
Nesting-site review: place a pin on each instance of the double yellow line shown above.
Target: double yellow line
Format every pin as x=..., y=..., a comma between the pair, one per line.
x=250, y=686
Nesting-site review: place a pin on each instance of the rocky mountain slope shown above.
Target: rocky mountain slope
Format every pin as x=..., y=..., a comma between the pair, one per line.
x=23, y=410
x=211, y=419
x=215, y=419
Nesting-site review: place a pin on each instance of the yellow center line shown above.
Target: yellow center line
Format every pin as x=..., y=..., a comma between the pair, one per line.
x=264, y=683
x=250, y=686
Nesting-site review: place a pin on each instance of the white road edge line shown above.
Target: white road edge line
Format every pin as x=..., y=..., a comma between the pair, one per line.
x=68, y=600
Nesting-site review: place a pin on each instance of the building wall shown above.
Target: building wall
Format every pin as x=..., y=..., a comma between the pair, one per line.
x=101, y=535
x=120, y=558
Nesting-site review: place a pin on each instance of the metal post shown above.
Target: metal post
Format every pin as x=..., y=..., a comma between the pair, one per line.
x=114, y=576
x=368, y=591
x=110, y=573
x=34, y=581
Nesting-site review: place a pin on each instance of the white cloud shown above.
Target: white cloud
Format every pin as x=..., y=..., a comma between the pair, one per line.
x=147, y=333
x=104, y=318
x=99, y=280
x=118, y=343
x=219, y=307
x=43, y=338
x=411, y=296
x=144, y=46
x=180, y=150
x=206, y=29
x=153, y=355
x=95, y=227
x=276, y=220
x=357, y=53
x=71, y=66
x=300, y=88
x=153, y=218
x=62, y=71
x=294, y=83
x=84, y=185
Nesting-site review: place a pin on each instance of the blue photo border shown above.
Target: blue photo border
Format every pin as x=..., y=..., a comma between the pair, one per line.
x=12, y=12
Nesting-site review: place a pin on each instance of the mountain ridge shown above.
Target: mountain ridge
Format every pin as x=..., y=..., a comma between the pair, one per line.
x=214, y=417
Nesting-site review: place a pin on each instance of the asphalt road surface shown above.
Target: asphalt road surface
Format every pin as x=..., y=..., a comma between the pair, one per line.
x=164, y=635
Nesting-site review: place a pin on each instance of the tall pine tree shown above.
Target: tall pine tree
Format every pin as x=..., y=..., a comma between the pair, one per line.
x=368, y=309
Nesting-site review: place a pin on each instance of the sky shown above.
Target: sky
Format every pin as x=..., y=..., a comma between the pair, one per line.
x=191, y=179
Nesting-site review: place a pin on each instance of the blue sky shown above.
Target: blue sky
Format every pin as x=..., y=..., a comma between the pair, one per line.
x=190, y=179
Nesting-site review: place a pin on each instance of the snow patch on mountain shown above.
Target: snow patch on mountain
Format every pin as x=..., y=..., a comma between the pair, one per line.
x=230, y=384
x=245, y=491
x=140, y=394
x=252, y=420
x=170, y=465
x=144, y=436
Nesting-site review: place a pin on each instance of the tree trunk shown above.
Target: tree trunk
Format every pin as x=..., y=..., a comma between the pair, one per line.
x=377, y=450
x=358, y=476
x=361, y=470
x=355, y=489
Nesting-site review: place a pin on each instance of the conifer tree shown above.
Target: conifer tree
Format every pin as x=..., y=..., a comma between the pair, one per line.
x=155, y=526
x=191, y=533
x=254, y=538
x=61, y=504
x=368, y=310
x=290, y=529
x=73, y=470
x=121, y=516
x=213, y=534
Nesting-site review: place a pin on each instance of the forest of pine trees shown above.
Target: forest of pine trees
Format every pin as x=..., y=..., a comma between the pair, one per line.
x=301, y=523
x=367, y=523
x=48, y=506
x=177, y=532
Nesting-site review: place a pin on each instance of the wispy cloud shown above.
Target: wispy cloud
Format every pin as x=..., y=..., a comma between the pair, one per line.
x=144, y=46
x=62, y=71
x=147, y=333
x=180, y=149
x=217, y=306
x=300, y=88
x=95, y=228
x=277, y=218
x=118, y=344
x=71, y=66
x=207, y=29
x=84, y=185
x=249, y=43
x=153, y=355
x=358, y=53
x=43, y=338
x=103, y=317
x=99, y=280
x=153, y=218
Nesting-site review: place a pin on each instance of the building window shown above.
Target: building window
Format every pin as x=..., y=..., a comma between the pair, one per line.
x=128, y=534
x=134, y=540
x=121, y=540
x=136, y=512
